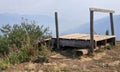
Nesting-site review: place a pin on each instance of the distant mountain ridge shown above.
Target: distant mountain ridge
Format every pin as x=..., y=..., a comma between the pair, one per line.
x=16, y=18
x=100, y=27
x=46, y=21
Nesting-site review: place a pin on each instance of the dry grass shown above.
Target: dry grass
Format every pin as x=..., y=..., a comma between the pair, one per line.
x=103, y=61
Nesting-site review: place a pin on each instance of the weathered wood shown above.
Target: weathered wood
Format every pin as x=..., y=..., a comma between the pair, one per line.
x=101, y=10
x=91, y=32
x=57, y=30
x=92, y=10
x=74, y=43
x=82, y=41
x=78, y=36
x=112, y=25
x=102, y=46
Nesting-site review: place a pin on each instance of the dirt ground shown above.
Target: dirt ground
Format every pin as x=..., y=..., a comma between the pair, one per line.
x=102, y=61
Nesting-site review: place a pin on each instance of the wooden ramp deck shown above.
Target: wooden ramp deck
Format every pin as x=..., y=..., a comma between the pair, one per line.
x=83, y=40
x=78, y=36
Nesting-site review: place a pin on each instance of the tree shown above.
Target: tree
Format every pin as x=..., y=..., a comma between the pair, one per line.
x=107, y=32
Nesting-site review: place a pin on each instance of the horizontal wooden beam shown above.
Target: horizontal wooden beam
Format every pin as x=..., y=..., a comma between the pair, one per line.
x=102, y=10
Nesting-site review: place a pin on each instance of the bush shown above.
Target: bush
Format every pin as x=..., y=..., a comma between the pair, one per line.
x=4, y=46
x=24, y=34
x=13, y=58
x=18, y=43
x=107, y=32
x=3, y=64
x=109, y=47
x=45, y=51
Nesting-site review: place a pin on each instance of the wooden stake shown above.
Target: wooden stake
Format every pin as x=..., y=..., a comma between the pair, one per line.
x=112, y=25
x=91, y=32
x=57, y=30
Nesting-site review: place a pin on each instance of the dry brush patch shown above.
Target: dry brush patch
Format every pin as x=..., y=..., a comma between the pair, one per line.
x=105, y=61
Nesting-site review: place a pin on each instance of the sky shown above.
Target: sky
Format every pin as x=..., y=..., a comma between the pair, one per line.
x=71, y=13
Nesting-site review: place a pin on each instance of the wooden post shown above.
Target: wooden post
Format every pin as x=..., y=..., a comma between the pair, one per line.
x=57, y=31
x=91, y=32
x=112, y=25
x=92, y=10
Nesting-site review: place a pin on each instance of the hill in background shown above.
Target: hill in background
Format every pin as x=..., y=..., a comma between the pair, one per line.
x=100, y=27
x=46, y=21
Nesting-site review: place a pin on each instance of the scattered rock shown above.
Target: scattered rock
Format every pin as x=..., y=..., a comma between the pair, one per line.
x=115, y=63
x=30, y=67
x=40, y=71
x=104, y=65
x=74, y=66
x=50, y=64
x=62, y=65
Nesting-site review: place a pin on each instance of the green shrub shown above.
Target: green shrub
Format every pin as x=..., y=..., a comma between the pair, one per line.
x=109, y=47
x=107, y=32
x=21, y=34
x=3, y=64
x=4, y=46
x=18, y=57
x=45, y=51
x=18, y=43
x=13, y=58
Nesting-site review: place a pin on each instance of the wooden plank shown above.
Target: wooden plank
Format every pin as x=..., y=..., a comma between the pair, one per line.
x=102, y=10
x=78, y=36
x=57, y=30
x=81, y=42
x=91, y=32
x=74, y=43
x=112, y=25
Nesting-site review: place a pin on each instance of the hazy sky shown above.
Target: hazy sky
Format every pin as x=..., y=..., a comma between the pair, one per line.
x=69, y=8
x=74, y=12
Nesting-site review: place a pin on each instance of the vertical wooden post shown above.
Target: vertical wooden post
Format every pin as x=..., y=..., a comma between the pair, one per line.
x=57, y=31
x=112, y=25
x=91, y=32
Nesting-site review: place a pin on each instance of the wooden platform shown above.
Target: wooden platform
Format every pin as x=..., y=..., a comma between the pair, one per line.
x=78, y=36
x=83, y=40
